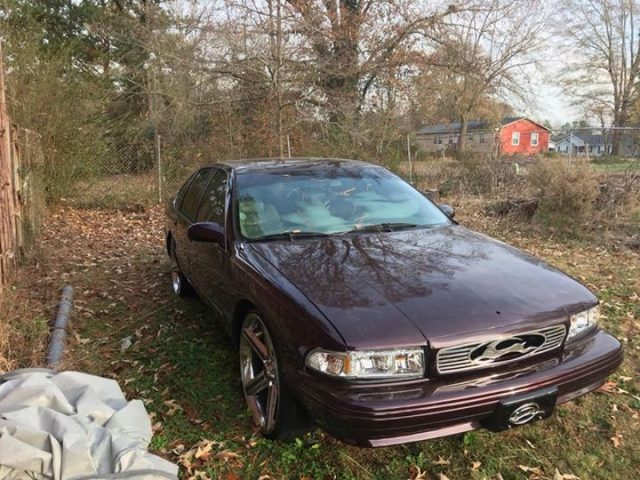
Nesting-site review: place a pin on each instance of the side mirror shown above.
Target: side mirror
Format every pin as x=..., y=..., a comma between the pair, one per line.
x=210, y=232
x=448, y=210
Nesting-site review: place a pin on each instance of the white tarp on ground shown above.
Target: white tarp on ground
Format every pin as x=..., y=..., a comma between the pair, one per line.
x=73, y=426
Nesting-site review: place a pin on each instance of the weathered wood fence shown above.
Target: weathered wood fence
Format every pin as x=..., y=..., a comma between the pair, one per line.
x=21, y=196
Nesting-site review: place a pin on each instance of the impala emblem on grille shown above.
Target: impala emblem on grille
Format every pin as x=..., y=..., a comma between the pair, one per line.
x=525, y=413
x=506, y=348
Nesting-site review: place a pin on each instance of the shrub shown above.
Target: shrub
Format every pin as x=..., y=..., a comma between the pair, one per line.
x=471, y=174
x=565, y=191
x=486, y=174
x=621, y=191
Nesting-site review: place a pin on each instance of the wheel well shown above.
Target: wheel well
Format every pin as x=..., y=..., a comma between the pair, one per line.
x=168, y=243
x=242, y=308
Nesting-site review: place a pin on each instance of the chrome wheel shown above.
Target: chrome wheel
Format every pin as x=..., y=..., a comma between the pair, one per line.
x=176, y=282
x=259, y=373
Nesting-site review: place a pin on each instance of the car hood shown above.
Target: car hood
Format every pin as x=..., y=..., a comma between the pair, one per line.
x=442, y=285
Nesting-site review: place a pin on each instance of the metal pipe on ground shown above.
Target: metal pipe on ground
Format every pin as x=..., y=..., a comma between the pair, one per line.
x=56, y=344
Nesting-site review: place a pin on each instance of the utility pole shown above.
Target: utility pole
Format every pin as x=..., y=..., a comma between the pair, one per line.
x=570, y=144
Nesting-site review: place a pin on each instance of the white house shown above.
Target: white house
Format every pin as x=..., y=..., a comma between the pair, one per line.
x=590, y=145
x=581, y=144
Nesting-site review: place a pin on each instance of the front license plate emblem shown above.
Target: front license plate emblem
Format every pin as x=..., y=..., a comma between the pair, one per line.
x=522, y=410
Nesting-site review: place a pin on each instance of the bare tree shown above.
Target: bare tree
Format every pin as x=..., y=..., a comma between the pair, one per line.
x=483, y=51
x=604, y=60
x=356, y=42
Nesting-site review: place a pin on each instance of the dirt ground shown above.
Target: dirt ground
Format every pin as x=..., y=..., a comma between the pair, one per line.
x=182, y=365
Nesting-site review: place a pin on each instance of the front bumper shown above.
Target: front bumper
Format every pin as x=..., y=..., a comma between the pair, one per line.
x=381, y=415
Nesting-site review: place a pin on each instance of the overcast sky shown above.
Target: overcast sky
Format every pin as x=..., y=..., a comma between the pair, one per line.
x=547, y=100
x=552, y=103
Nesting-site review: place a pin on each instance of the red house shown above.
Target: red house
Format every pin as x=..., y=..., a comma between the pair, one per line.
x=512, y=136
x=522, y=136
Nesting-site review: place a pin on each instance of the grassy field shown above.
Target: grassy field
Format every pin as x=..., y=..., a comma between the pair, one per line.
x=618, y=166
x=184, y=368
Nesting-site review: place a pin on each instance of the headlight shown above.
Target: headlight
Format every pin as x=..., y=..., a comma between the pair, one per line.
x=399, y=363
x=583, y=321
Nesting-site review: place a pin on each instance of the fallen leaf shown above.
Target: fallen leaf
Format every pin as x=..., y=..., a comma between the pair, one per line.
x=564, y=476
x=527, y=469
x=227, y=455
x=415, y=473
x=608, y=387
x=617, y=440
x=229, y=476
x=173, y=407
x=204, y=449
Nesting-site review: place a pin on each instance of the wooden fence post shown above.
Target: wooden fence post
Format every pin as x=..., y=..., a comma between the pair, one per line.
x=8, y=230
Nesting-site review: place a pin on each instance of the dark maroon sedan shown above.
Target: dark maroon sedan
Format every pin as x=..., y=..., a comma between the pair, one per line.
x=358, y=303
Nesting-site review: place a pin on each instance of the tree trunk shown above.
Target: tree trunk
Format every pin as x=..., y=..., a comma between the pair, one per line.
x=620, y=118
x=462, y=139
x=615, y=142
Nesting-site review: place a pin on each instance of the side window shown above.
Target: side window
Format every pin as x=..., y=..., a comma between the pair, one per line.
x=515, y=138
x=191, y=200
x=212, y=207
x=182, y=191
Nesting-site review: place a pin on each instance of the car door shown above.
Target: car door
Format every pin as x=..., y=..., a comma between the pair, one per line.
x=210, y=260
x=187, y=213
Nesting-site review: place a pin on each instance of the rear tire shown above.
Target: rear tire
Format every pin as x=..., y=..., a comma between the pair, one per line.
x=273, y=409
x=179, y=283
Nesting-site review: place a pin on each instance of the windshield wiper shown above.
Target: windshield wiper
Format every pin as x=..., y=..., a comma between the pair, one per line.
x=290, y=235
x=383, y=227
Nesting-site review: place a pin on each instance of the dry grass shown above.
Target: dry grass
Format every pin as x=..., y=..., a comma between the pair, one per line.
x=24, y=321
x=115, y=191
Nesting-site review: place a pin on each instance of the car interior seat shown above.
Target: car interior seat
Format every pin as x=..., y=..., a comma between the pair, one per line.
x=258, y=218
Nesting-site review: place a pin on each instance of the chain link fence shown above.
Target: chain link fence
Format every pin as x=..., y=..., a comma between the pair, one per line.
x=119, y=174
x=138, y=172
x=130, y=173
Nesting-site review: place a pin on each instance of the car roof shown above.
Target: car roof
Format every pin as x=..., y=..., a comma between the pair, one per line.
x=256, y=164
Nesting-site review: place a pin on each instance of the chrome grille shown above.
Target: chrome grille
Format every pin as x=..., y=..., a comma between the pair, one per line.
x=459, y=358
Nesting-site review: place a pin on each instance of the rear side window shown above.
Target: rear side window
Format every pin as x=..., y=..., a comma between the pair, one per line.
x=192, y=197
x=182, y=191
x=212, y=208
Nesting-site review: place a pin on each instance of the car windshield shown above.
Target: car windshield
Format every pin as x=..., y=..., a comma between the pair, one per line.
x=328, y=200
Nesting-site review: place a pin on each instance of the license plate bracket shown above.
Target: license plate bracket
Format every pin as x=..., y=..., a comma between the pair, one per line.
x=522, y=409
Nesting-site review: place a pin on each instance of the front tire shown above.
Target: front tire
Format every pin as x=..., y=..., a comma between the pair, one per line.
x=179, y=284
x=273, y=410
